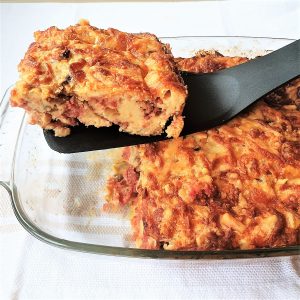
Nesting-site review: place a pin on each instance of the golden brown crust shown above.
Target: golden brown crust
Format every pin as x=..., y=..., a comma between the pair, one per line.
x=208, y=61
x=99, y=77
x=235, y=186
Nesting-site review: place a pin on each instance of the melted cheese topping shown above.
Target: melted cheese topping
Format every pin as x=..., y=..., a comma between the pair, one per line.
x=234, y=186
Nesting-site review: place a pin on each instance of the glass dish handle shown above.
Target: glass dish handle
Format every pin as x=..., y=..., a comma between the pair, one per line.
x=10, y=123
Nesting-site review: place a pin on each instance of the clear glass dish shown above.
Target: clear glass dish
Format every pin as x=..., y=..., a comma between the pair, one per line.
x=58, y=197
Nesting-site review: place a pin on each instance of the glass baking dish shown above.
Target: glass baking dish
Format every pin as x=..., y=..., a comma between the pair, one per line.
x=58, y=197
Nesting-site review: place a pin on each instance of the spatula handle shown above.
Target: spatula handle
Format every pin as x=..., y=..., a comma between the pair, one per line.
x=263, y=74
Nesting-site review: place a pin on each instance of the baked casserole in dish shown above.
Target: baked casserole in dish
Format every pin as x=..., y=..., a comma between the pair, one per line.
x=229, y=192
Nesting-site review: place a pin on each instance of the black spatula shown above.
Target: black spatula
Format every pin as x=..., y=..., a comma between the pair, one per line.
x=214, y=98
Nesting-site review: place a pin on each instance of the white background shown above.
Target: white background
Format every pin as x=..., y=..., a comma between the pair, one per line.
x=30, y=269
x=250, y=18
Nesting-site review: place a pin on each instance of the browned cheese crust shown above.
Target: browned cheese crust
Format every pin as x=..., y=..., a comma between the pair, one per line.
x=236, y=186
x=208, y=61
x=100, y=77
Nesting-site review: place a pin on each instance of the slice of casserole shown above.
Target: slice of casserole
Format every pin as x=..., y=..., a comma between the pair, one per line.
x=236, y=186
x=100, y=77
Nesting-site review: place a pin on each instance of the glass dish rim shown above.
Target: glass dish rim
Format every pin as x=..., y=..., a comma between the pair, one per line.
x=38, y=233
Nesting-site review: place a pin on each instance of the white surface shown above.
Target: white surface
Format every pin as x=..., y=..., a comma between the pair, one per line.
x=250, y=18
x=30, y=269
